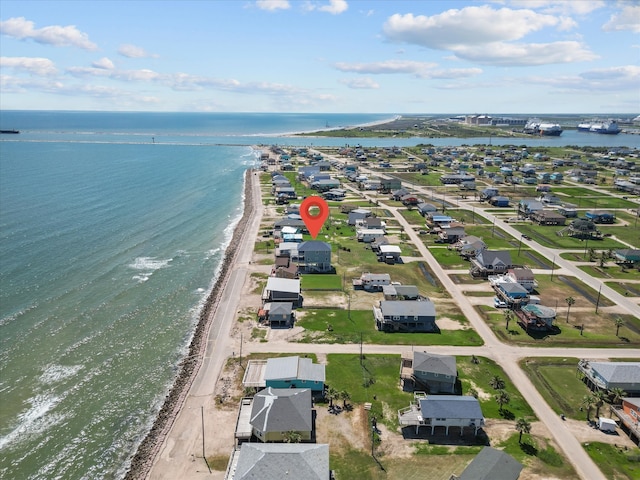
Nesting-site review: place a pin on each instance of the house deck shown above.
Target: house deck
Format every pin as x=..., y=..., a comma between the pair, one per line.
x=243, y=427
x=254, y=374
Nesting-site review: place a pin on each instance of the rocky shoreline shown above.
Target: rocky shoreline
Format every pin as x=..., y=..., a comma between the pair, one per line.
x=146, y=453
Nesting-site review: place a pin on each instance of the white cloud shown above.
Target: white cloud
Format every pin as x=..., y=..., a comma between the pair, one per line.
x=56, y=35
x=133, y=51
x=468, y=26
x=627, y=19
x=508, y=54
x=335, y=7
x=104, y=63
x=32, y=65
x=360, y=83
x=602, y=80
x=579, y=7
x=387, y=67
x=273, y=5
x=419, y=69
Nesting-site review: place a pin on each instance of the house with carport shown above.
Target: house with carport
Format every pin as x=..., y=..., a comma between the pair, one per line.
x=405, y=316
x=462, y=413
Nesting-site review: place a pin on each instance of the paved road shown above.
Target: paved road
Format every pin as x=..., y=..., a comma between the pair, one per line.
x=507, y=356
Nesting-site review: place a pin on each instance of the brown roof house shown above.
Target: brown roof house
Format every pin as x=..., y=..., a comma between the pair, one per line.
x=277, y=411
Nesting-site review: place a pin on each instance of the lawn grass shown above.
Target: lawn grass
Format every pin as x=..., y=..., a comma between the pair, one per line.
x=627, y=289
x=321, y=282
x=558, y=383
x=546, y=235
x=610, y=271
x=449, y=259
x=599, y=330
x=358, y=325
x=478, y=375
x=615, y=462
x=539, y=456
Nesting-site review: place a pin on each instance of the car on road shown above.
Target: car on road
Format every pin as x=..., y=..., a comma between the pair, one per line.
x=526, y=237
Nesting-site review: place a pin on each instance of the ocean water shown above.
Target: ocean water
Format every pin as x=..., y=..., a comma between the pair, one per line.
x=109, y=244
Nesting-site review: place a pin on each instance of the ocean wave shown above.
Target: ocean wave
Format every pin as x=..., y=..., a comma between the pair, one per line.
x=149, y=265
x=55, y=373
x=35, y=420
x=14, y=316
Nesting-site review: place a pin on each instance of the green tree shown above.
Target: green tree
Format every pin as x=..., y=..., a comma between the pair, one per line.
x=570, y=301
x=331, y=394
x=619, y=323
x=522, y=426
x=345, y=397
x=600, y=397
x=502, y=398
x=588, y=401
x=508, y=316
x=616, y=394
x=602, y=260
x=496, y=382
x=473, y=392
x=292, y=437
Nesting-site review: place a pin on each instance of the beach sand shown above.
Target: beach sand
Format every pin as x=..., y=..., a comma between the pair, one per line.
x=169, y=449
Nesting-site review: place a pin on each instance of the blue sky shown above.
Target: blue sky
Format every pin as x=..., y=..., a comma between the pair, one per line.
x=484, y=56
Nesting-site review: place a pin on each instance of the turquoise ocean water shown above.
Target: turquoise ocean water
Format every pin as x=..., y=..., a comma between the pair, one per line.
x=112, y=227
x=109, y=243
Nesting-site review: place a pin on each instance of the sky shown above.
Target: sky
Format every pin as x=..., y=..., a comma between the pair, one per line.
x=324, y=56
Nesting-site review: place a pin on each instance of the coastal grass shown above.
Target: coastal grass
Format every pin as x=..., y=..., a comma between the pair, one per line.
x=218, y=462
x=476, y=373
x=610, y=271
x=626, y=289
x=615, y=462
x=556, y=379
x=354, y=326
x=321, y=282
x=599, y=330
x=546, y=235
x=450, y=259
x=539, y=456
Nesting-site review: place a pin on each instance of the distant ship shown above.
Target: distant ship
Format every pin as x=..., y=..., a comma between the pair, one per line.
x=9, y=131
x=536, y=127
x=609, y=127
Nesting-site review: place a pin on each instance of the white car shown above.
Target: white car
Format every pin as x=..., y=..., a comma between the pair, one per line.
x=499, y=303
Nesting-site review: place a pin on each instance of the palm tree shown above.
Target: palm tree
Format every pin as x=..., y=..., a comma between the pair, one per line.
x=496, y=382
x=331, y=395
x=292, y=437
x=600, y=397
x=616, y=394
x=344, y=396
x=588, y=401
x=508, y=316
x=473, y=392
x=570, y=301
x=502, y=398
x=618, y=322
x=522, y=426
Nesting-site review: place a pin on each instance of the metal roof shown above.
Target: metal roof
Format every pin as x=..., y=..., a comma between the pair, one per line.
x=408, y=308
x=286, y=368
x=289, y=285
x=450, y=407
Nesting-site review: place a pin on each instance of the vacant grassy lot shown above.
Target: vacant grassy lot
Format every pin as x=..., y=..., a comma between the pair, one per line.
x=599, y=330
x=616, y=463
x=557, y=381
x=546, y=236
x=611, y=271
x=321, y=282
x=344, y=326
x=539, y=456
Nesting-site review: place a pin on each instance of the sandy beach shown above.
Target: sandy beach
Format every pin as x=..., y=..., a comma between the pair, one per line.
x=208, y=348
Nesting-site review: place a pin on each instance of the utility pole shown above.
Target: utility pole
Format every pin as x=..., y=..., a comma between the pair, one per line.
x=361, y=348
x=553, y=265
x=241, y=349
x=598, y=300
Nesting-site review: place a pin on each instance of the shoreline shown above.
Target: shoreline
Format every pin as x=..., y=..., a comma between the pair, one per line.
x=146, y=453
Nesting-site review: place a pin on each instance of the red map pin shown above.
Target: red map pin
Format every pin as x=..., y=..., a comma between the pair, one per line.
x=314, y=222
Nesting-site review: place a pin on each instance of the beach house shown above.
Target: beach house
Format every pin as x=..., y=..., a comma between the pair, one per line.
x=314, y=256
x=429, y=372
x=276, y=412
x=405, y=316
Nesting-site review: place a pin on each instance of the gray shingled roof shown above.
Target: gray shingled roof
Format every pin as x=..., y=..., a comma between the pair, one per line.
x=279, y=461
x=618, y=372
x=432, y=363
x=494, y=257
x=450, y=406
x=314, y=246
x=282, y=410
x=492, y=464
